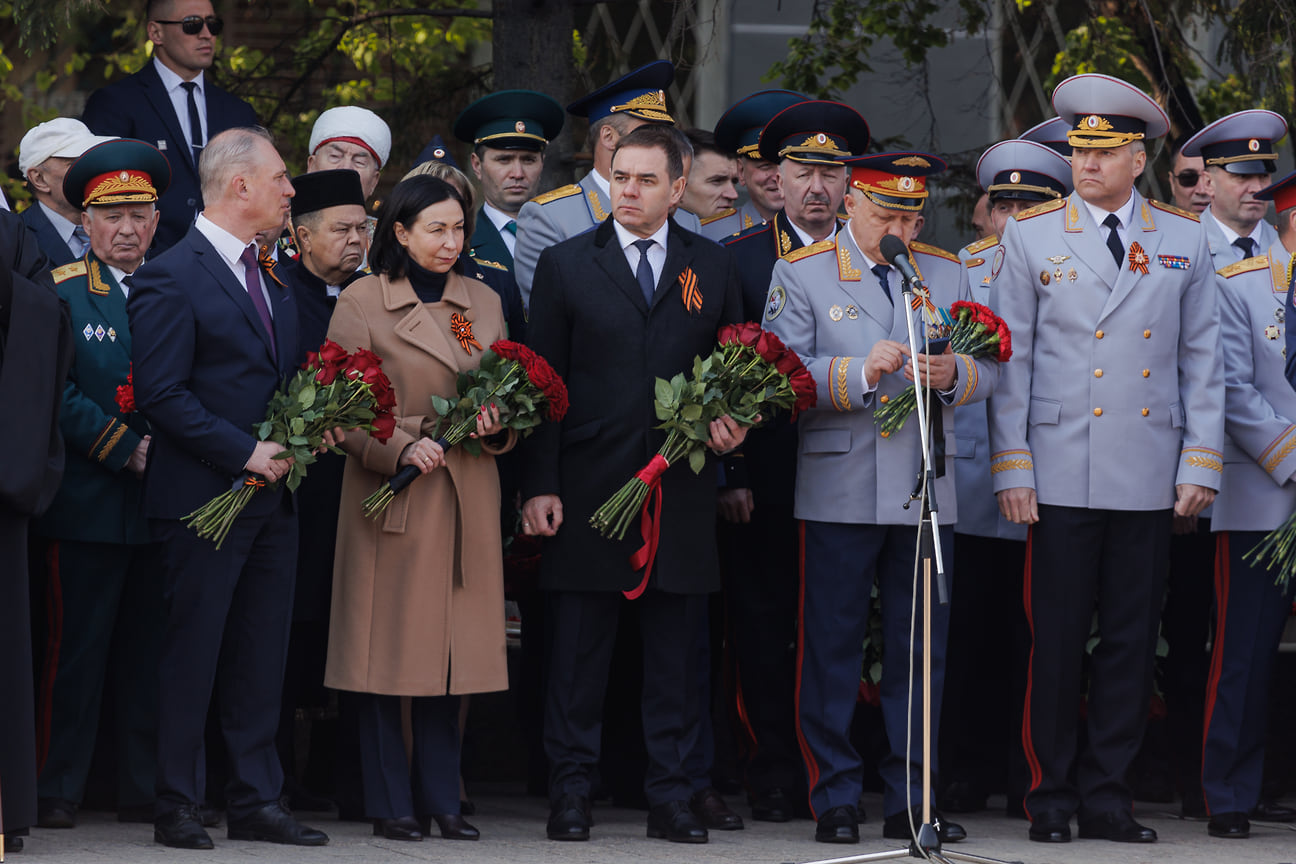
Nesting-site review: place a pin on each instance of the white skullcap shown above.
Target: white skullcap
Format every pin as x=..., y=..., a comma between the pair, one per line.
x=62, y=136
x=355, y=125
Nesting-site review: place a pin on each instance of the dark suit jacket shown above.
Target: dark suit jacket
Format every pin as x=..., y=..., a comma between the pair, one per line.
x=589, y=319
x=503, y=284
x=47, y=237
x=487, y=243
x=203, y=373
x=138, y=107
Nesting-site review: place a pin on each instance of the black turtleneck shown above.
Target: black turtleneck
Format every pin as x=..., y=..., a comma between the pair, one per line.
x=428, y=286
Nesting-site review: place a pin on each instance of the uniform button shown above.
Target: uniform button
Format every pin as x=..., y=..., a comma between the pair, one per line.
x=1098, y=335
x=1097, y=373
x=1145, y=412
x=1147, y=334
x=1097, y=412
x=1147, y=372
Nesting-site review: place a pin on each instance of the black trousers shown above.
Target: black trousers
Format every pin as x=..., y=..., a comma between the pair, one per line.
x=426, y=783
x=1078, y=561
x=583, y=626
x=228, y=614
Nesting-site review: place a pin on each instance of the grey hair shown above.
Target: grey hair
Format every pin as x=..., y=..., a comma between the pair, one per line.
x=229, y=153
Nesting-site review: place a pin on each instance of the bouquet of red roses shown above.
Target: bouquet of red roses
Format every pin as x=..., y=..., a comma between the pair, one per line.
x=978, y=332
x=512, y=377
x=749, y=376
x=332, y=389
x=126, y=392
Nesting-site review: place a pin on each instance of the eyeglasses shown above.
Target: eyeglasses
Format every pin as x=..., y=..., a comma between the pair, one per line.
x=192, y=25
x=1188, y=177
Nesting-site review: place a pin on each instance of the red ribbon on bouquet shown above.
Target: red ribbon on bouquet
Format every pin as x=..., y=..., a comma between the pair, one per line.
x=649, y=523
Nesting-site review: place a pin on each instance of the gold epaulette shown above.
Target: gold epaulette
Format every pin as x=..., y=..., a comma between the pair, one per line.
x=812, y=249
x=1170, y=208
x=555, y=194
x=67, y=271
x=1260, y=262
x=981, y=245
x=1038, y=209
x=915, y=246
x=494, y=265
x=723, y=214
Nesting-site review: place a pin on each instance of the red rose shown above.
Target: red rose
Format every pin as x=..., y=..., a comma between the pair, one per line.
x=727, y=334
x=126, y=399
x=312, y=360
x=331, y=354
x=749, y=332
x=326, y=374
x=556, y=394
x=363, y=360
x=384, y=425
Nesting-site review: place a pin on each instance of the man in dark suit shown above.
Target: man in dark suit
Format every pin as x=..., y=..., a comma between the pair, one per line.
x=610, y=345
x=213, y=337
x=45, y=154
x=103, y=569
x=35, y=353
x=170, y=104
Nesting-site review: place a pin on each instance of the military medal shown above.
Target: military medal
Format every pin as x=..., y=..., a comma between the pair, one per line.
x=1058, y=259
x=1280, y=315
x=461, y=329
x=852, y=313
x=1173, y=262
x=112, y=334
x=689, y=292
x=1044, y=277
x=1272, y=332
x=88, y=332
x=835, y=312
x=1138, y=259
x=100, y=332
x=1072, y=275
x=1057, y=274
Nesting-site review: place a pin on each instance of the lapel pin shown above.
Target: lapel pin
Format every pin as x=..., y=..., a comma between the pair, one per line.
x=835, y=312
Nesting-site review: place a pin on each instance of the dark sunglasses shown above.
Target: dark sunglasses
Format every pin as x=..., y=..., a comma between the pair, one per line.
x=1187, y=177
x=192, y=25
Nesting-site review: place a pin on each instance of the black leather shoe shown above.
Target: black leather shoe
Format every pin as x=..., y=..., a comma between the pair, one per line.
x=676, y=822
x=569, y=818
x=1051, y=826
x=452, y=826
x=1231, y=826
x=56, y=813
x=1116, y=825
x=896, y=826
x=12, y=844
x=772, y=805
x=400, y=828
x=838, y=825
x=708, y=806
x=274, y=824
x=180, y=829
x=1270, y=811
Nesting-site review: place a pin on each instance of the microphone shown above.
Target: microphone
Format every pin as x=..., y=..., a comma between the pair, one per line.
x=896, y=253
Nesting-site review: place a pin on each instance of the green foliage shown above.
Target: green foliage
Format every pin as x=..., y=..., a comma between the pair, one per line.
x=498, y=381
x=1105, y=45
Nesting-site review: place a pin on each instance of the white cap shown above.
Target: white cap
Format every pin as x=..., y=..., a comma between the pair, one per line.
x=62, y=136
x=355, y=125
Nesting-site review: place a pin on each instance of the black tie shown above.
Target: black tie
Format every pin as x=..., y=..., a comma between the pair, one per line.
x=882, y=271
x=1113, y=239
x=1247, y=245
x=195, y=122
x=643, y=273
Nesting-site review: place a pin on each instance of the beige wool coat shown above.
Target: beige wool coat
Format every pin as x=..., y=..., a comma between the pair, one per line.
x=418, y=593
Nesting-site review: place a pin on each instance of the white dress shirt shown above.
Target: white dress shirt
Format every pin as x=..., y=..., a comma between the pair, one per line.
x=656, y=252
x=499, y=219
x=180, y=100
x=1125, y=214
x=1230, y=235
x=120, y=275
x=604, y=184
x=230, y=249
x=66, y=229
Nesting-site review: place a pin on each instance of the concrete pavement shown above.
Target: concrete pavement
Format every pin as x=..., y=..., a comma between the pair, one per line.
x=512, y=827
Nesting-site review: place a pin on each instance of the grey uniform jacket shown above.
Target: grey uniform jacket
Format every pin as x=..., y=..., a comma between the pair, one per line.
x=1115, y=392
x=1224, y=253
x=555, y=216
x=1256, y=493
x=826, y=306
x=724, y=224
x=978, y=511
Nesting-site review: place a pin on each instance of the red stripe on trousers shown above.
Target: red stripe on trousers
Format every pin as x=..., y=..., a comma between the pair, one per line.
x=812, y=767
x=1217, y=644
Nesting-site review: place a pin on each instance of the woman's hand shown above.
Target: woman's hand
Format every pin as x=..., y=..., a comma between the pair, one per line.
x=488, y=421
x=424, y=454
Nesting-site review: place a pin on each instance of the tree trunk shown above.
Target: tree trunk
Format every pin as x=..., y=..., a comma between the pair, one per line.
x=532, y=50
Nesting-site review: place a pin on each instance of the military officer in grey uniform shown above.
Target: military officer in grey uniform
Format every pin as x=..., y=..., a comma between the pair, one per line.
x=982, y=738
x=103, y=566
x=613, y=110
x=1239, y=154
x=837, y=303
x=1256, y=495
x=738, y=131
x=1052, y=134
x=1108, y=420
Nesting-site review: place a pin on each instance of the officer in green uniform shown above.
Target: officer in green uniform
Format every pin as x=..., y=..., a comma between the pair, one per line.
x=103, y=567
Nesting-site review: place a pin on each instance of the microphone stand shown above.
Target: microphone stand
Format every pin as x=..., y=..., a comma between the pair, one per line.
x=926, y=844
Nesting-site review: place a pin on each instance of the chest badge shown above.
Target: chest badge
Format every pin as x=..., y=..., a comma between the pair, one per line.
x=1280, y=315
x=1058, y=259
x=1045, y=278
x=1272, y=332
x=852, y=313
x=835, y=312
x=1138, y=259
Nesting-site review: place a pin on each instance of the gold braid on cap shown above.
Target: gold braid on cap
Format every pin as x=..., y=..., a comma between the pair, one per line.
x=1023, y=187
x=650, y=106
x=1246, y=157
x=1093, y=130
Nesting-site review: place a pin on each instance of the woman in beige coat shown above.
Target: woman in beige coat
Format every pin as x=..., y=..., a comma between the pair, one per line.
x=418, y=596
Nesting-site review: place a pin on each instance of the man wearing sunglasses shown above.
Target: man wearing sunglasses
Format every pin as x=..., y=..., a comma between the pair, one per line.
x=171, y=105
x=1190, y=186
